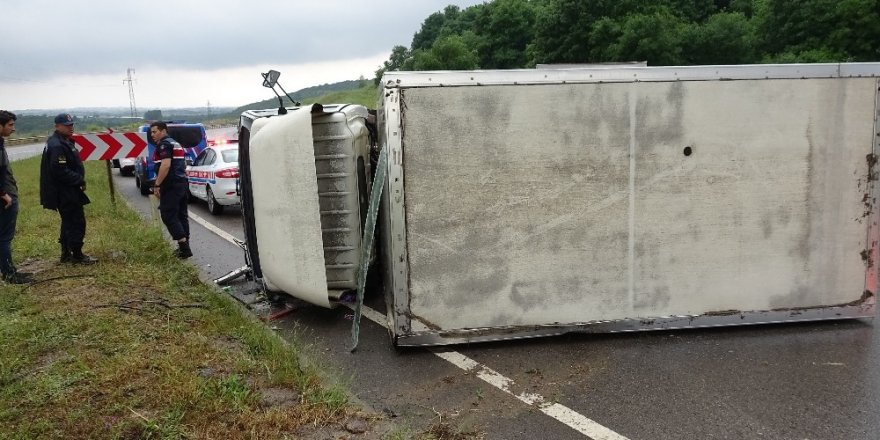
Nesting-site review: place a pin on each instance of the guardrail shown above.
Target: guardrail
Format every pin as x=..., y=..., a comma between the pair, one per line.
x=26, y=140
x=38, y=139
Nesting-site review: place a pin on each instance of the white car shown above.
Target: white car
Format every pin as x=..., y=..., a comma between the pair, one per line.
x=213, y=177
x=126, y=166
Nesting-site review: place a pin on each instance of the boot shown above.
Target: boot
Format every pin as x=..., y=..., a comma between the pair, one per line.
x=78, y=257
x=17, y=278
x=183, y=250
x=65, y=254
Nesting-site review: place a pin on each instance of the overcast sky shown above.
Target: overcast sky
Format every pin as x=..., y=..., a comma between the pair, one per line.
x=58, y=55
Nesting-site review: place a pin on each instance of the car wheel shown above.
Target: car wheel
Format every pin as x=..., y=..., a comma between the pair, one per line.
x=143, y=186
x=213, y=207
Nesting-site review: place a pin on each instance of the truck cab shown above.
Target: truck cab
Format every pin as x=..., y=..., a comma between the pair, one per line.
x=192, y=137
x=305, y=179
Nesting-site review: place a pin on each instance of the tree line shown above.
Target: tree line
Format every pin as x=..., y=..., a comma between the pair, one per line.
x=505, y=34
x=44, y=125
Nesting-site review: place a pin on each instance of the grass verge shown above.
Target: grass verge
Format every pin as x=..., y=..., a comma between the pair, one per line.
x=136, y=346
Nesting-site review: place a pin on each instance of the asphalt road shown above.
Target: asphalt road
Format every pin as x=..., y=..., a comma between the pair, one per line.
x=792, y=381
x=20, y=152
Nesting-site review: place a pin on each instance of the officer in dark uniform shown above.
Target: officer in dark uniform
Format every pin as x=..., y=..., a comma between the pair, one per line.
x=62, y=188
x=171, y=186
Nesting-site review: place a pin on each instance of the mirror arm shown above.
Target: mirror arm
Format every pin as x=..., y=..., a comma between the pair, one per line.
x=270, y=80
x=296, y=103
x=281, y=109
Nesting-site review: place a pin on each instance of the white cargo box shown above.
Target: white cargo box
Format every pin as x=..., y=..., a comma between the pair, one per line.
x=537, y=202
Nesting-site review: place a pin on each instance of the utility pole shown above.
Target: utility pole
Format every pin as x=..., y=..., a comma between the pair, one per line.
x=130, y=81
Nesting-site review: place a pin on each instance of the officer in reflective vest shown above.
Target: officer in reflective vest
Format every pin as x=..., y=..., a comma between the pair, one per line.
x=171, y=186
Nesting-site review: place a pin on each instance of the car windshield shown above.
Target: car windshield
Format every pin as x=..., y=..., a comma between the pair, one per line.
x=188, y=137
x=230, y=155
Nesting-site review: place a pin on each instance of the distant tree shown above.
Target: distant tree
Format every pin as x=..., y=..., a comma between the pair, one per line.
x=400, y=59
x=843, y=30
x=746, y=7
x=451, y=53
x=153, y=115
x=520, y=33
x=691, y=11
x=858, y=29
x=432, y=27
x=562, y=31
x=655, y=38
x=505, y=28
x=725, y=38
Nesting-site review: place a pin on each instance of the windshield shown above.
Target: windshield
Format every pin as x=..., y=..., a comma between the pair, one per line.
x=230, y=155
x=187, y=137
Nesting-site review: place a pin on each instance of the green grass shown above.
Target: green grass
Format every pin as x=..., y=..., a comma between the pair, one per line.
x=136, y=346
x=367, y=96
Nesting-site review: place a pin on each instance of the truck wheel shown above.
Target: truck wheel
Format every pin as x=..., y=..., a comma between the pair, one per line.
x=213, y=207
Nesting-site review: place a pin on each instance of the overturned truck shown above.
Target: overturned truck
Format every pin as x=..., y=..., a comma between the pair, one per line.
x=528, y=203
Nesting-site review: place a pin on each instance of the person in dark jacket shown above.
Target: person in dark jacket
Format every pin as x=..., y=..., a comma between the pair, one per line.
x=63, y=188
x=171, y=186
x=8, y=205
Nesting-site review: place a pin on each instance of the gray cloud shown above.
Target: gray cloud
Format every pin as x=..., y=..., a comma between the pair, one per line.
x=47, y=39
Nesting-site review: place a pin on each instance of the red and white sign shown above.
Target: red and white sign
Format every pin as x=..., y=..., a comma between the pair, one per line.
x=107, y=146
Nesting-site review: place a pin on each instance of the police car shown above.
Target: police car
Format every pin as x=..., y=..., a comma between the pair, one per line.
x=213, y=177
x=192, y=137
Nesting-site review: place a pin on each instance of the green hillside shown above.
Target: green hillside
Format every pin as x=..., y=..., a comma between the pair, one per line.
x=352, y=91
x=366, y=96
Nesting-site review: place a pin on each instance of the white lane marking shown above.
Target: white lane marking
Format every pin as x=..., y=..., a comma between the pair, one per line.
x=375, y=316
x=458, y=359
x=580, y=423
x=560, y=412
x=223, y=234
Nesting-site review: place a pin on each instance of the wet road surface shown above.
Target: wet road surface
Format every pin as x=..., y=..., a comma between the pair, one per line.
x=790, y=381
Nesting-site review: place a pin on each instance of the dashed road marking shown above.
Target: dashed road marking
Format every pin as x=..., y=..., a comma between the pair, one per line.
x=557, y=411
x=561, y=413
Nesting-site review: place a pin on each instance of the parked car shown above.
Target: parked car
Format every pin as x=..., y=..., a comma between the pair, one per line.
x=126, y=166
x=213, y=177
x=192, y=137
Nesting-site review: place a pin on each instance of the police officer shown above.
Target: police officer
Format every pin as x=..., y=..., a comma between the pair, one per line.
x=62, y=188
x=171, y=186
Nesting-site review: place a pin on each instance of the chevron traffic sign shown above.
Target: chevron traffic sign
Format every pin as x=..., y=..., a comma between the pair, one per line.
x=107, y=146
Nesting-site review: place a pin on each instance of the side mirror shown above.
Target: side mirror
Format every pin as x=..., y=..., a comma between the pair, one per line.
x=270, y=78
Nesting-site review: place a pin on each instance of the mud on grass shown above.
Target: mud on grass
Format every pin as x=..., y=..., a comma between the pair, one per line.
x=136, y=346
